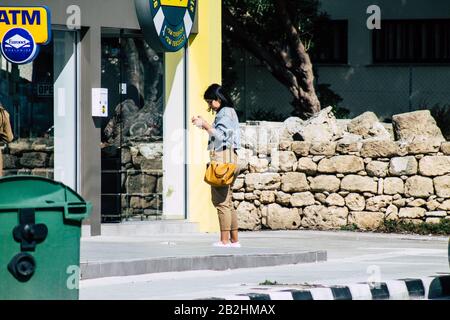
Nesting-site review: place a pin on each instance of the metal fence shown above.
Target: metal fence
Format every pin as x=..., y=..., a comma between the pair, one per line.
x=383, y=89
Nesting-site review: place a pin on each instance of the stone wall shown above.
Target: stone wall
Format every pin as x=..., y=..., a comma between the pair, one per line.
x=142, y=180
x=29, y=157
x=135, y=182
x=339, y=176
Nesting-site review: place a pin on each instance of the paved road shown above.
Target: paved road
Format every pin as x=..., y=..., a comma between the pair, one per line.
x=352, y=258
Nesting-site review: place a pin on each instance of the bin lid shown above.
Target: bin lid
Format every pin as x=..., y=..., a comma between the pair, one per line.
x=38, y=192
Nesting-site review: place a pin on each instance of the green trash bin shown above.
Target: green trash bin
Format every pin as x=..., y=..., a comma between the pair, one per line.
x=40, y=231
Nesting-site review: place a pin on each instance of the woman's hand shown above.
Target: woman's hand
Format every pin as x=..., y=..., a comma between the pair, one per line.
x=201, y=123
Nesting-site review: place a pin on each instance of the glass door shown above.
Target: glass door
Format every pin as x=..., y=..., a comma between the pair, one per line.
x=41, y=98
x=132, y=135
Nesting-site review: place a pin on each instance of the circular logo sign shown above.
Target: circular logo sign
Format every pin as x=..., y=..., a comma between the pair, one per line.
x=167, y=24
x=18, y=46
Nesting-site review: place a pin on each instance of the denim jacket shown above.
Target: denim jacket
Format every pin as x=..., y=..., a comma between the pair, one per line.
x=227, y=131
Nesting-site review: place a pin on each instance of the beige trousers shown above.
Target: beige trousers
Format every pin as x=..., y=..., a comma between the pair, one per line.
x=222, y=197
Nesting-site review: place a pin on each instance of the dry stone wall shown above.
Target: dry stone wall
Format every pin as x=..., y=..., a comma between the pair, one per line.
x=358, y=176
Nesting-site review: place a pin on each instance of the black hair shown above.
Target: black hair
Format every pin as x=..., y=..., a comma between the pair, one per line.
x=216, y=92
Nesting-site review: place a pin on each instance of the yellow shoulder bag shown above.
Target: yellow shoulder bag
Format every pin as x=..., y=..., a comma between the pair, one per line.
x=219, y=174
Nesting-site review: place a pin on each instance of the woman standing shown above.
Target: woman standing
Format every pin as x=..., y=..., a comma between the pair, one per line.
x=224, y=140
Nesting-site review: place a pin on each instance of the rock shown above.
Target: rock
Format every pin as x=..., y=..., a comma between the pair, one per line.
x=377, y=169
x=322, y=127
x=335, y=199
x=283, y=198
x=320, y=197
x=238, y=184
x=267, y=197
x=442, y=214
x=151, y=150
x=302, y=199
x=159, y=185
x=379, y=149
x=301, y=148
x=325, y=183
x=445, y=205
x=294, y=182
x=355, y=202
x=433, y=220
x=399, y=203
x=341, y=164
x=434, y=165
x=307, y=166
x=9, y=161
x=366, y=220
x=250, y=196
x=335, y=217
x=403, y=166
x=367, y=125
x=150, y=165
x=442, y=186
x=419, y=187
x=141, y=184
x=412, y=213
x=19, y=146
x=433, y=205
x=350, y=143
x=239, y=196
x=320, y=217
x=417, y=125
x=380, y=189
x=288, y=161
x=376, y=203
x=323, y=148
x=244, y=156
x=285, y=145
x=317, y=158
x=279, y=218
x=417, y=203
x=354, y=183
x=293, y=126
x=445, y=148
x=391, y=213
x=262, y=181
x=423, y=147
x=257, y=165
x=125, y=156
x=34, y=160
x=248, y=216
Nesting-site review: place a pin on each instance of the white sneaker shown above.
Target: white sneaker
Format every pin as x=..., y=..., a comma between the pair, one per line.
x=221, y=244
x=235, y=245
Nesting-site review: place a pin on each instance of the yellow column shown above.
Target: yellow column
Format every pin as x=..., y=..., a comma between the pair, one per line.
x=204, y=68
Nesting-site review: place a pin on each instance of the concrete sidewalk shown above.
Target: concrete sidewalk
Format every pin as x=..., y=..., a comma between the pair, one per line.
x=352, y=257
x=112, y=256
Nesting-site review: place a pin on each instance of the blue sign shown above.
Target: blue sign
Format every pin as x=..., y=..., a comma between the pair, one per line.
x=18, y=46
x=22, y=31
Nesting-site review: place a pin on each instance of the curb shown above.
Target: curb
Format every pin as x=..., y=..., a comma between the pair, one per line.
x=103, y=269
x=404, y=289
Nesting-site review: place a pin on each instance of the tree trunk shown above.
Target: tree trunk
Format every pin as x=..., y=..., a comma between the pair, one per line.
x=291, y=65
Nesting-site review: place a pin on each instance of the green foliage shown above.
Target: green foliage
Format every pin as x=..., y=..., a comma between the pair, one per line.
x=400, y=226
x=260, y=19
x=328, y=97
x=350, y=227
x=442, y=228
x=268, y=283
